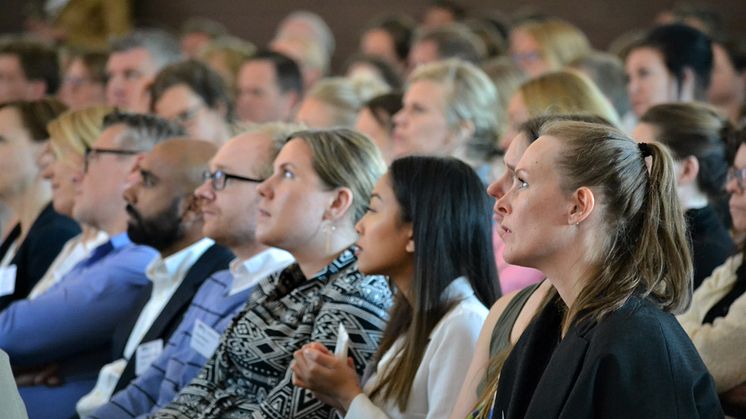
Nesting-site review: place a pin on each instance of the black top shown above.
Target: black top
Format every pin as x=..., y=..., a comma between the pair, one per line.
x=711, y=243
x=46, y=237
x=637, y=362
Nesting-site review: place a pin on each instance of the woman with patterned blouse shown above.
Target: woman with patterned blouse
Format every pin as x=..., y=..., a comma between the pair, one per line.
x=309, y=207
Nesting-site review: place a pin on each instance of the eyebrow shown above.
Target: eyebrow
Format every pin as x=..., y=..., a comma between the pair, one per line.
x=375, y=195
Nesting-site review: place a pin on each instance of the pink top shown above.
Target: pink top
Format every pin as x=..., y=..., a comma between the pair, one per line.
x=512, y=277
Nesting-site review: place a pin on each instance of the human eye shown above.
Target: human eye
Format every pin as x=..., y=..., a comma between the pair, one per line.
x=370, y=209
x=287, y=174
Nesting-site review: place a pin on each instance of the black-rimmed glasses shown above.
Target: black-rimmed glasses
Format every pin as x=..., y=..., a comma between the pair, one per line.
x=739, y=175
x=92, y=153
x=219, y=178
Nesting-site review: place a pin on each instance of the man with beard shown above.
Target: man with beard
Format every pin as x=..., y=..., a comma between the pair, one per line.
x=58, y=341
x=229, y=198
x=163, y=214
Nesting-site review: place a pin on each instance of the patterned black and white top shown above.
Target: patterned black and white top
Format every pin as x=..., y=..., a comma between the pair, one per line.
x=249, y=375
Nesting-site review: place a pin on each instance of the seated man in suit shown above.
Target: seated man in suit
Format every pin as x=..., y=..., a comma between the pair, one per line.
x=229, y=199
x=164, y=214
x=68, y=329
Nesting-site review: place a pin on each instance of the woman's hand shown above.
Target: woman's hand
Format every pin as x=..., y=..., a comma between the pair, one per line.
x=331, y=380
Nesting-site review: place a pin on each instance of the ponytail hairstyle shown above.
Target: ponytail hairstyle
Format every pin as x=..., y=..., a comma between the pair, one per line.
x=698, y=130
x=645, y=251
x=444, y=200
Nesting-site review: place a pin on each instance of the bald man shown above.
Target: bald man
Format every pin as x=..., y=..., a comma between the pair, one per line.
x=163, y=214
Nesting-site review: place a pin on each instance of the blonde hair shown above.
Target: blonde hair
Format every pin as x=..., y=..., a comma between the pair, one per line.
x=560, y=42
x=346, y=96
x=469, y=96
x=507, y=78
x=563, y=92
x=345, y=158
x=77, y=130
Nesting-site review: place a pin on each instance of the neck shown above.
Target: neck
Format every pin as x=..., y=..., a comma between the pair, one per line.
x=181, y=244
x=115, y=225
x=404, y=280
x=247, y=251
x=315, y=256
x=568, y=270
x=26, y=206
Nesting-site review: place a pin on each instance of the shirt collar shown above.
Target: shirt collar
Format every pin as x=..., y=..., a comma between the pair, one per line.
x=247, y=272
x=174, y=267
x=458, y=289
x=120, y=240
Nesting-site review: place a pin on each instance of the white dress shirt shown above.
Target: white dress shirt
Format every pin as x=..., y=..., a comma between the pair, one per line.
x=166, y=274
x=247, y=273
x=71, y=254
x=443, y=368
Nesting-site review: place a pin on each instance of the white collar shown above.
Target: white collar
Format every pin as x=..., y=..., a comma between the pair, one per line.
x=173, y=268
x=248, y=272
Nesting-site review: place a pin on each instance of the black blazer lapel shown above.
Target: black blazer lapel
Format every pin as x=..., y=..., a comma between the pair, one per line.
x=123, y=329
x=215, y=258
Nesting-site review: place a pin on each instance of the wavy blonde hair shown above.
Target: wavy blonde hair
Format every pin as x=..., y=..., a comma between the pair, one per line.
x=560, y=42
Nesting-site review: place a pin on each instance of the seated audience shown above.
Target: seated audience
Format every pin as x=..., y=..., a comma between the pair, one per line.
x=451, y=41
x=389, y=38
x=228, y=202
x=84, y=81
x=444, y=275
x=673, y=63
x=696, y=136
x=197, y=33
x=372, y=67
x=70, y=135
x=133, y=63
x=304, y=24
x=66, y=332
x=541, y=46
x=165, y=215
x=449, y=110
x=440, y=13
x=309, y=207
x=714, y=320
x=554, y=93
x=269, y=88
x=225, y=55
x=309, y=55
x=30, y=70
x=190, y=94
x=336, y=101
x=376, y=120
x=608, y=232
x=727, y=90
x=39, y=232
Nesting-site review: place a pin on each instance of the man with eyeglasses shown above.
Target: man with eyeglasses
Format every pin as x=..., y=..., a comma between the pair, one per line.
x=133, y=63
x=163, y=214
x=228, y=201
x=58, y=341
x=194, y=96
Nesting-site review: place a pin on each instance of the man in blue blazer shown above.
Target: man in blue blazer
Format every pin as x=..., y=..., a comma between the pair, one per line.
x=66, y=332
x=163, y=213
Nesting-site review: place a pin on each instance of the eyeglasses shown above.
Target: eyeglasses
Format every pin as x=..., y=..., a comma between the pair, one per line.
x=93, y=153
x=739, y=175
x=219, y=178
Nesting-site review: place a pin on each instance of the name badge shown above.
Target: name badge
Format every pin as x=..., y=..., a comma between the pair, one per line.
x=205, y=339
x=8, y=280
x=146, y=354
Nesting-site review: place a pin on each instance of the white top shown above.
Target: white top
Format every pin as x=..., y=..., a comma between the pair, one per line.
x=443, y=368
x=74, y=251
x=247, y=273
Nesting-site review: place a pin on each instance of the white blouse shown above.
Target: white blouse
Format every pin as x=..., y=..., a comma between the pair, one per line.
x=443, y=368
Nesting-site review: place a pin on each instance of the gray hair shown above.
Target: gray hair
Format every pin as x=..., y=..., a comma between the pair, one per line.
x=163, y=47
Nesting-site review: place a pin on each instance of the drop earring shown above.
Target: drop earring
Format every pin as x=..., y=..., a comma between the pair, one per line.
x=329, y=230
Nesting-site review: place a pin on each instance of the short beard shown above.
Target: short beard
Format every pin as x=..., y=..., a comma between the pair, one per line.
x=160, y=231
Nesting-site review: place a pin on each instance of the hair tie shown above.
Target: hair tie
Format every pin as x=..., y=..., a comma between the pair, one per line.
x=645, y=150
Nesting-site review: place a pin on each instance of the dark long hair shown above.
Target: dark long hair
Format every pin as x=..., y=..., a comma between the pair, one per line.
x=449, y=210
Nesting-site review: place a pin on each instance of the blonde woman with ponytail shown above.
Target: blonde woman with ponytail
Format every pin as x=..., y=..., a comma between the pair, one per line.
x=598, y=215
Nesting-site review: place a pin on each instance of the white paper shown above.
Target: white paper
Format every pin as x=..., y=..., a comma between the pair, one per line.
x=343, y=343
x=7, y=280
x=147, y=353
x=205, y=339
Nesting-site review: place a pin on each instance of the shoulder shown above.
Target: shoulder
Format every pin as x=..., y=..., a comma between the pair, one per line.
x=351, y=285
x=465, y=319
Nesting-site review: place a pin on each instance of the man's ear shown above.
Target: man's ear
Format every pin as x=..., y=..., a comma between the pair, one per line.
x=339, y=204
x=583, y=203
